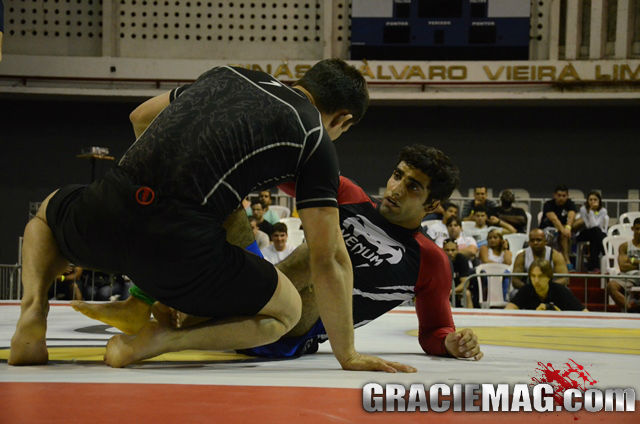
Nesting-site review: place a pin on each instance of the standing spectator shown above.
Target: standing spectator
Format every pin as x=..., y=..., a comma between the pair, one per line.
x=496, y=250
x=629, y=261
x=278, y=250
x=558, y=216
x=506, y=212
x=466, y=245
x=261, y=237
x=538, y=249
x=461, y=270
x=269, y=215
x=479, y=199
x=258, y=212
x=438, y=230
x=592, y=225
x=543, y=294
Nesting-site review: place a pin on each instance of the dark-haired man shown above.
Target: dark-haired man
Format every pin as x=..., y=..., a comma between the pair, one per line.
x=508, y=213
x=558, y=215
x=278, y=250
x=257, y=209
x=479, y=200
x=438, y=230
x=159, y=216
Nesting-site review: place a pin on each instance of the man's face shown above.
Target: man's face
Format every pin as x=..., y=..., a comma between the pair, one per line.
x=407, y=191
x=451, y=211
x=537, y=241
x=279, y=239
x=539, y=280
x=481, y=218
x=480, y=194
x=265, y=198
x=254, y=226
x=451, y=249
x=257, y=211
x=454, y=230
x=560, y=197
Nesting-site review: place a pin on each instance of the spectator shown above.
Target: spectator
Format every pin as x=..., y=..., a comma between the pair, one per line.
x=542, y=293
x=506, y=212
x=269, y=215
x=466, y=245
x=261, y=237
x=258, y=212
x=592, y=225
x=479, y=199
x=461, y=270
x=480, y=230
x=438, y=230
x=558, y=216
x=66, y=285
x=538, y=249
x=496, y=250
x=629, y=261
x=278, y=250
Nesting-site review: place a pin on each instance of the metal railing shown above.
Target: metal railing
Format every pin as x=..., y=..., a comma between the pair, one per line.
x=10, y=287
x=602, y=278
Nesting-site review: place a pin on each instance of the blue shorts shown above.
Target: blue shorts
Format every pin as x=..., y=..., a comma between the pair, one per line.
x=291, y=347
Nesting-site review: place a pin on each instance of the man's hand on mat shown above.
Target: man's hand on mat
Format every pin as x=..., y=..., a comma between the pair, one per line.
x=463, y=344
x=360, y=362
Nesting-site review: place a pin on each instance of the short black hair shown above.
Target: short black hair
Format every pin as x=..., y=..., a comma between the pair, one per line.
x=335, y=85
x=447, y=205
x=444, y=175
x=257, y=202
x=452, y=219
x=280, y=227
x=561, y=187
x=479, y=208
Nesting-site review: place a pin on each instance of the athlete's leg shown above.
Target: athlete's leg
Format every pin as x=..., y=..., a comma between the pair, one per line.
x=275, y=319
x=130, y=315
x=42, y=262
x=616, y=291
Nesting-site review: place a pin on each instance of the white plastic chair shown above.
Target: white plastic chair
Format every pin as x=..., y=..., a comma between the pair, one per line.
x=295, y=238
x=429, y=222
x=282, y=211
x=620, y=230
x=609, y=262
x=516, y=241
x=576, y=195
x=628, y=217
x=495, y=296
x=292, y=223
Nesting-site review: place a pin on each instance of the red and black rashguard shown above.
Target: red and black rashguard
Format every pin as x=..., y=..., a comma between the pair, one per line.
x=392, y=264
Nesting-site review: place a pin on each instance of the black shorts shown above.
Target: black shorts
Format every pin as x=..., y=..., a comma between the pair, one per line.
x=175, y=250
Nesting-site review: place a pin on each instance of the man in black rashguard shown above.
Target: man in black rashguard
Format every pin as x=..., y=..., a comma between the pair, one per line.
x=158, y=217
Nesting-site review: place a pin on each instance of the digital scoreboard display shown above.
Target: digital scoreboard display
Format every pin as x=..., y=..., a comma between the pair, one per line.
x=440, y=29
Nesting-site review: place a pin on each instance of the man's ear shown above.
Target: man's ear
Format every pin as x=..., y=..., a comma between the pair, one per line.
x=340, y=118
x=432, y=206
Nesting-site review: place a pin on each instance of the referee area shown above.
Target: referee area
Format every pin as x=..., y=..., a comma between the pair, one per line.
x=231, y=388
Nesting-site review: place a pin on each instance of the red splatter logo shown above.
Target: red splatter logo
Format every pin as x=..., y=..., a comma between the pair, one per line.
x=573, y=376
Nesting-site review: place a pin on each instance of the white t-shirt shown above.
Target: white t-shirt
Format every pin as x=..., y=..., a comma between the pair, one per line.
x=438, y=232
x=274, y=256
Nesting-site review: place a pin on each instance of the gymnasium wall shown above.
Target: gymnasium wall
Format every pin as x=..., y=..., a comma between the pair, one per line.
x=519, y=146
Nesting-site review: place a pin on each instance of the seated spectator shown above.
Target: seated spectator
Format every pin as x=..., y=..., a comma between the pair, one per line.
x=506, y=212
x=542, y=293
x=538, y=249
x=558, y=215
x=479, y=199
x=261, y=237
x=496, y=250
x=278, y=250
x=438, y=230
x=264, y=197
x=629, y=261
x=592, y=225
x=466, y=245
x=258, y=211
x=461, y=270
x=102, y=286
x=480, y=230
x=66, y=285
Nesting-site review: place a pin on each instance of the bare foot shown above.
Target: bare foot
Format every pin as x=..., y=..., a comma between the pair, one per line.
x=128, y=316
x=28, y=344
x=123, y=350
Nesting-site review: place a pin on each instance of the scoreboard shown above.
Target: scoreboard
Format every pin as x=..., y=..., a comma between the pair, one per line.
x=440, y=29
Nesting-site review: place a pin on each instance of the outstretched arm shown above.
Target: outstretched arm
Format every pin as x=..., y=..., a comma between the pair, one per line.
x=332, y=278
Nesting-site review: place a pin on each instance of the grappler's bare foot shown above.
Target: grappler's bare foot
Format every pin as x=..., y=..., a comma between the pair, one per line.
x=123, y=350
x=28, y=344
x=128, y=316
